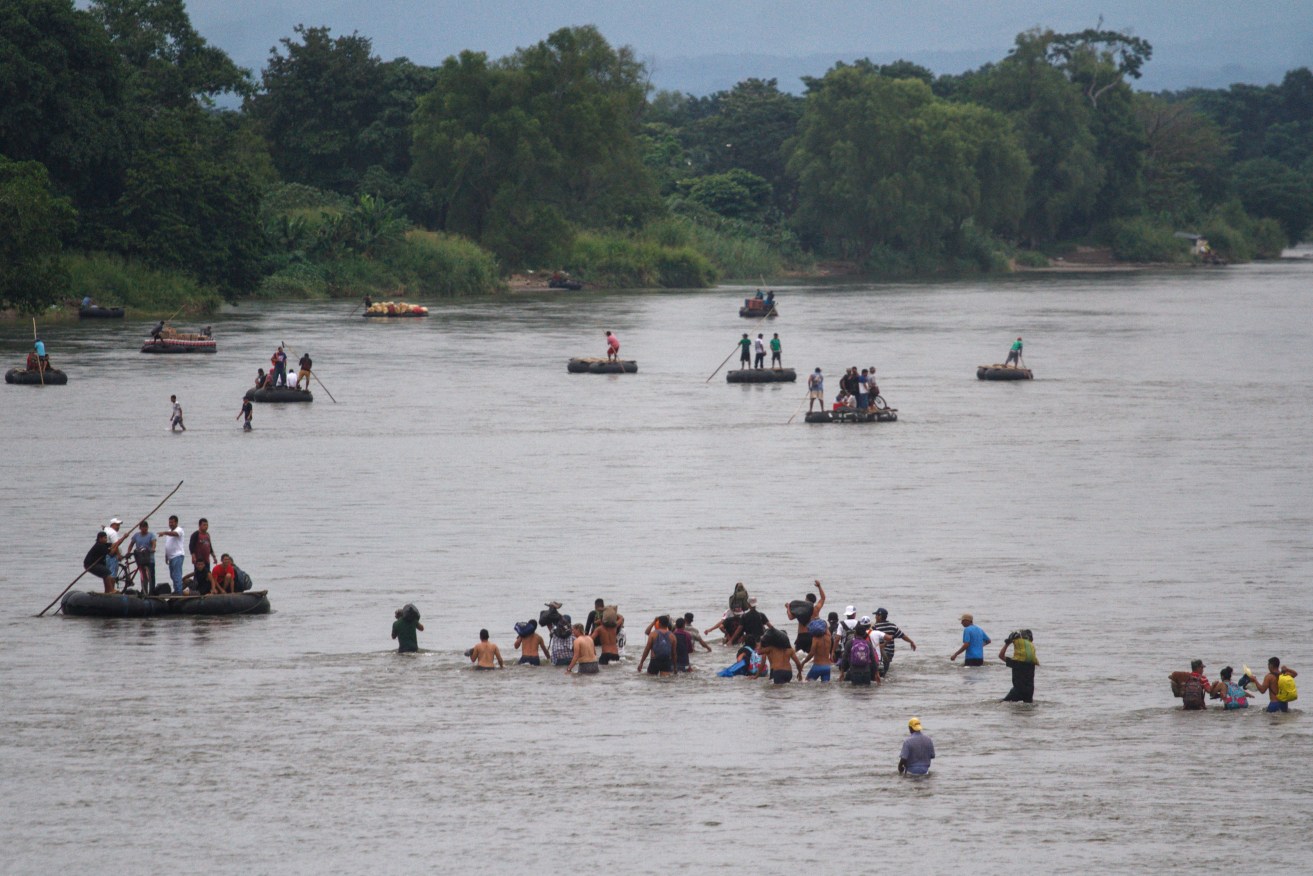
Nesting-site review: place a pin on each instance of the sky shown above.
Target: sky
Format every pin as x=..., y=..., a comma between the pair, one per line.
x=705, y=45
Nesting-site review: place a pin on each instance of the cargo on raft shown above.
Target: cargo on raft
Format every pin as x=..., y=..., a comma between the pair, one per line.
x=394, y=309
x=759, y=308
x=762, y=375
x=1003, y=372
x=874, y=415
x=87, y=603
x=601, y=366
x=278, y=395
x=170, y=341
x=25, y=377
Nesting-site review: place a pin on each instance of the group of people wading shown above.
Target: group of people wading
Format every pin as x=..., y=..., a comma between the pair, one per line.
x=109, y=559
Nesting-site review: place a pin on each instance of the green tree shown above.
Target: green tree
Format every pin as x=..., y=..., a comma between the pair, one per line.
x=33, y=221
x=519, y=152
x=736, y=194
x=884, y=163
x=331, y=109
x=747, y=129
x=61, y=95
x=1269, y=189
x=1184, y=156
x=170, y=65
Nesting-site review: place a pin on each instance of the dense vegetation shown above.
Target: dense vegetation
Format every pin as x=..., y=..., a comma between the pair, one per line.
x=342, y=173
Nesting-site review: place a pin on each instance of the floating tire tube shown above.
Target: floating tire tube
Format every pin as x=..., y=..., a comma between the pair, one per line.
x=80, y=603
x=1003, y=372
x=601, y=366
x=52, y=377
x=880, y=416
x=279, y=395
x=762, y=375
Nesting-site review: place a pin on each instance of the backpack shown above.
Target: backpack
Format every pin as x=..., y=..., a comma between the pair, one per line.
x=774, y=638
x=860, y=653
x=1286, y=690
x=610, y=616
x=661, y=646
x=801, y=610
x=548, y=617
x=739, y=602
x=243, y=580
x=1192, y=693
x=1234, y=697
x=526, y=628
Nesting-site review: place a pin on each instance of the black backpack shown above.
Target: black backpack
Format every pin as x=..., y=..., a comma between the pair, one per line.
x=774, y=638
x=802, y=609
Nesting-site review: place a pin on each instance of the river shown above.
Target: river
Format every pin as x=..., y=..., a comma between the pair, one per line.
x=1147, y=499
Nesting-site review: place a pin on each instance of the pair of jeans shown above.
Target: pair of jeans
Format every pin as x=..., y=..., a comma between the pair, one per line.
x=175, y=572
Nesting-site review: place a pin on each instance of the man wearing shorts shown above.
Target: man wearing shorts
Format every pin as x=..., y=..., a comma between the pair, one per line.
x=815, y=390
x=612, y=348
x=1272, y=681
x=94, y=562
x=608, y=640
x=745, y=351
x=1014, y=355
x=778, y=658
x=662, y=646
x=483, y=654
x=821, y=655
x=585, y=653
x=775, y=351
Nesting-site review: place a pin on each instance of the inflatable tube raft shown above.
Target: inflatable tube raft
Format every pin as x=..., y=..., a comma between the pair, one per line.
x=279, y=395
x=887, y=415
x=80, y=603
x=180, y=345
x=1003, y=372
x=95, y=311
x=601, y=366
x=762, y=375
x=53, y=377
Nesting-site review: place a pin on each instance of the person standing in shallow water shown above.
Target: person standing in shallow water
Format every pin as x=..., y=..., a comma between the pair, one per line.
x=175, y=418
x=974, y=640
x=1022, y=663
x=246, y=412
x=918, y=750
x=405, y=629
x=484, y=654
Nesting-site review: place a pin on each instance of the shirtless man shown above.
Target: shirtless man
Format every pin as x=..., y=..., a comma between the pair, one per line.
x=803, y=642
x=608, y=639
x=483, y=654
x=585, y=653
x=1271, y=681
x=529, y=647
x=780, y=671
x=821, y=655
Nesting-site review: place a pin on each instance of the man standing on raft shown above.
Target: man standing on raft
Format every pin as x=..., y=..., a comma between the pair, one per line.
x=1014, y=355
x=612, y=348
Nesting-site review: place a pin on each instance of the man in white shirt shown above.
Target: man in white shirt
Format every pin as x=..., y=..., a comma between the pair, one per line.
x=174, y=539
x=112, y=533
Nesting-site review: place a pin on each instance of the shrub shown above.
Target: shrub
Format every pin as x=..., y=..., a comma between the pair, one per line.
x=1029, y=258
x=1139, y=240
x=114, y=281
x=444, y=265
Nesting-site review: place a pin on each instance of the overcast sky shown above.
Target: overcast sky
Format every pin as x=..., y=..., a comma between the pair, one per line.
x=675, y=35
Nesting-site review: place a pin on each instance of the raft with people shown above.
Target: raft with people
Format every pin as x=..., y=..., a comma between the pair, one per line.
x=597, y=365
x=167, y=340
x=278, y=395
x=762, y=375
x=852, y=415
x=1003, y=372
x=759, y=307
x=394, y=309
x=88, y=603
x=95, y=311
x=34, y=377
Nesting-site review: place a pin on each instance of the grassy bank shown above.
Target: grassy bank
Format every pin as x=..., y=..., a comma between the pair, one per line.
x=113, y=281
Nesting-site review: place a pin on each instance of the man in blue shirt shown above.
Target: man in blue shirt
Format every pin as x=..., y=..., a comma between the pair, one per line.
x=918, y=751
x=974, y=641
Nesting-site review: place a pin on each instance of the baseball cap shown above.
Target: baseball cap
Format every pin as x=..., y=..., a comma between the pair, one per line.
x=114, y=520
x=914, y=724
x=880, y=612
x=865, y=619
x=850, y=611
x=968, y=618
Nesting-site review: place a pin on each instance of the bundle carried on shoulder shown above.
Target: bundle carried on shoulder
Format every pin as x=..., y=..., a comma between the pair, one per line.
x=526, y=628
x=817, y=627
x=1287, y=692
x=801, y=609
x=410, y=613
x=610, y=616
x=775, y=638
x=738, y=600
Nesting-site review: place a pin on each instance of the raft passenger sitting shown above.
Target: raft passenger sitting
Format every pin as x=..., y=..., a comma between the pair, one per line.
x=843, y=401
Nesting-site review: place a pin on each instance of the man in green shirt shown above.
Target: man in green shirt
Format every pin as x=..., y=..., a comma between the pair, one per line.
x=405, y=627
x=1014, y=355
x=745, y=351
x=775, y=351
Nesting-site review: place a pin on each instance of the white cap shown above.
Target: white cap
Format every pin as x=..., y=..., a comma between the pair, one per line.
x=114, y=520
x=850, y=610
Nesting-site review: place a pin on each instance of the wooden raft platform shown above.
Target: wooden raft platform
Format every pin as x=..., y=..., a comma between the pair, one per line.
x=1003, y=372
x=595, y=365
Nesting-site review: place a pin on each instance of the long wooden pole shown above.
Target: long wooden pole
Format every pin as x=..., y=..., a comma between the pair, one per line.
x=40, y=366
x=722, y=364
x=312, y=374
x=804, y=399
x=116, y=545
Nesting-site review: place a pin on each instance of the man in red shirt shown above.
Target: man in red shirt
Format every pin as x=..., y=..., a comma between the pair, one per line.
x=223, y=577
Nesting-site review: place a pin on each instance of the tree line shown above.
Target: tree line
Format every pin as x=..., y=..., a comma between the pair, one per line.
x=126, y=140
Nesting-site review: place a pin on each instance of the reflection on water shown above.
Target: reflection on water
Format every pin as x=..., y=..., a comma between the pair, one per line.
x=1147, y=499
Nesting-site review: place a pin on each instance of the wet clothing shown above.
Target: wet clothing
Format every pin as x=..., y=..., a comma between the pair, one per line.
x=818, y=672
x=918, y=750
x=532, y=661
x=405, y=631
x=975, y=640
x=1023, y=681
x=781, y=676
x=587, y=668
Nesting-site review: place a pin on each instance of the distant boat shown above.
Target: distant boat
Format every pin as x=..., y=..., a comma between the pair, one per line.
x=95, y=311
x=170, y=341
